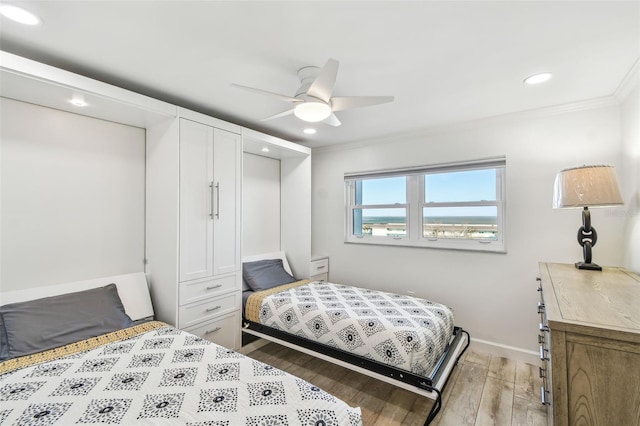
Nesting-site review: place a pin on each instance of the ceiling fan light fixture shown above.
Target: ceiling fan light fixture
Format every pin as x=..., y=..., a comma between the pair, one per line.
x=312, y=112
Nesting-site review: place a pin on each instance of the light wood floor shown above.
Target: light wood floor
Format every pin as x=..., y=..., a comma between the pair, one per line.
x=483, y=390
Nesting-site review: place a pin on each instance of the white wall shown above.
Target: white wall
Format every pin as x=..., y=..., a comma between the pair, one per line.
x=260, y=205
x=72, y=197
x=630, y=176
x=493, y=295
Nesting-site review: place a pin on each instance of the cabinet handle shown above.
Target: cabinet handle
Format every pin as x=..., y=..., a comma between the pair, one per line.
x=211, y=287
x=211, y=204
x=320, y=267
x=215, y=308
x=541, y=372
x=543, y=355
x=218, y=200
x=543, y=396
x=213, y=331
x=540, y=307
x=543, y=327
x=540, y=339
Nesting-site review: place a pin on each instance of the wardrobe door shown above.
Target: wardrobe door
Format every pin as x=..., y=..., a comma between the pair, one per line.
x=196, y=200
x=227, y=156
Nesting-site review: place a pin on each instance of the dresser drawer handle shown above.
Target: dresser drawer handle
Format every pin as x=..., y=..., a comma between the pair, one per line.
x=215, y=308
x=543, y=396
x=543, y=327
x=321, y=267
x=543, y=355
x=212, y=287
x=541, y=372
x=213, y=331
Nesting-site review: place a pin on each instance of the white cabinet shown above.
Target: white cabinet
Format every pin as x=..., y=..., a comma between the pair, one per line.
x=319, y=268
x=193, y=225
x=208, y=195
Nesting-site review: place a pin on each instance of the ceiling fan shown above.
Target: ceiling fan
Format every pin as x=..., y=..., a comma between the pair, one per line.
x=313, y=101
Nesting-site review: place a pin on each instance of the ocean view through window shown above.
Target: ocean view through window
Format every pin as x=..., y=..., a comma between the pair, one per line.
x=452, y=206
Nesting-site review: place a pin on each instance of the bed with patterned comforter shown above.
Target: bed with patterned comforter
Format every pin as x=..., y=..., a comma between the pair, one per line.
x=405, y=332
x=155, y=374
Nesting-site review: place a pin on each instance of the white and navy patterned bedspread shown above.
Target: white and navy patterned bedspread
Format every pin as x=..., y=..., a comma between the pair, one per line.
x=165, y=376
x=402, y=331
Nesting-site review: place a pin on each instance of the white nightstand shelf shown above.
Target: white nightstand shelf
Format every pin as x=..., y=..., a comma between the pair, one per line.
x=319, y=268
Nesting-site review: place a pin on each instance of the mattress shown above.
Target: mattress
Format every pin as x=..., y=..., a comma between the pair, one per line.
x=155, y=374
x=404, y=332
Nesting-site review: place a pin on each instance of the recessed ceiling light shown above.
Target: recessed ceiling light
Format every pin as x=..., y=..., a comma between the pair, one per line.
x=18, y=14
x=538, y=78
x=265, y=149
x=309, y=131
x=78, y=100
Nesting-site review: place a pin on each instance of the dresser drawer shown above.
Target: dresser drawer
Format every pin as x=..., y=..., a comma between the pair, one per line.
x=194, y=313
x=193, y=291
x=318, y=267
x=223, y=330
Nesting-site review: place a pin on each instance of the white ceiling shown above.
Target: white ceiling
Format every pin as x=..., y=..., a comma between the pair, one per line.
x=444, y=61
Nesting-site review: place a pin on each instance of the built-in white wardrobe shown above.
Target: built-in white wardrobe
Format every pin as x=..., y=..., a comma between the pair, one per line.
x=192, y=252
x=194, y=177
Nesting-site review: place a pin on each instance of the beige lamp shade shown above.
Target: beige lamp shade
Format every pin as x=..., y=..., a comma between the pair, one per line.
x=586, y=186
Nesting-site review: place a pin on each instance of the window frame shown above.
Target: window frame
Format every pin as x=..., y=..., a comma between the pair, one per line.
x=415, y=204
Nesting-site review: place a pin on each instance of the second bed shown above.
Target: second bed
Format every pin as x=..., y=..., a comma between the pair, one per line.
x=408, y=341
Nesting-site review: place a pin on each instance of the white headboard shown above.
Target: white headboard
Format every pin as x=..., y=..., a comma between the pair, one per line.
x=274, y=255
x=132, y=289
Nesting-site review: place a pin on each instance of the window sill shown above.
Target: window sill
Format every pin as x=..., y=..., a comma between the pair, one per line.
x=476, y=245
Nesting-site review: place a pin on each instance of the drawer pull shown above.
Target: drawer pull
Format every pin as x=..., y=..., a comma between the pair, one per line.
x=213, y=331
x=212, y=287
x=321, y=267
x=543, y=355
x=541, y=372
x=543, y=327
x=543, y=396
x=215, y=308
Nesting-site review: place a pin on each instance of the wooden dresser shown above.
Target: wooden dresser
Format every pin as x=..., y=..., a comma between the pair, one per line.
x=590, y=345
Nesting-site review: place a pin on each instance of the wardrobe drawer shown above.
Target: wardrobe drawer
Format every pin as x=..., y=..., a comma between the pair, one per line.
x=194, y=313
x=193, y=291
x=223, y=330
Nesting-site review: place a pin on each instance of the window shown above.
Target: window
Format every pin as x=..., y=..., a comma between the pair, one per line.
x=452, y=206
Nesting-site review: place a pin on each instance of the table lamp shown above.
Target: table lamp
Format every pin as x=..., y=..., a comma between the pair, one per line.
x=586, y=186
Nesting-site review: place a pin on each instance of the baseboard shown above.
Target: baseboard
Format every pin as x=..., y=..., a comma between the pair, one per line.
x=511, y=352
x=253, y=346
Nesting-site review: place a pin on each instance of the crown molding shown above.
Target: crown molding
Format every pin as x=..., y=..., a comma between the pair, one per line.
x=588, y=104
x=628, y=83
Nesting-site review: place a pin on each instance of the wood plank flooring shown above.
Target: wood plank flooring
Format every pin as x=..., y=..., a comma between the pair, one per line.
x=483, y=390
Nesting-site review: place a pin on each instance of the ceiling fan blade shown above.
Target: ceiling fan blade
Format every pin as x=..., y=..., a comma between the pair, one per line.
x=322, y=86
x=267, y=93
x=332, y=120
x=340, y=103
x=278, y=115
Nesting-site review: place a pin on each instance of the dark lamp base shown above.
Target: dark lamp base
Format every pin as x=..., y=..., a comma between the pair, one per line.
x=588, y=266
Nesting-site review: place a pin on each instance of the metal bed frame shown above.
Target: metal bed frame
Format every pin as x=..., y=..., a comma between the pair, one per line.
x=430, y=386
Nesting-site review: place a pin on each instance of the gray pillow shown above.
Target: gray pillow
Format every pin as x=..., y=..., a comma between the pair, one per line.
x=265, y=274
x=51, y=322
